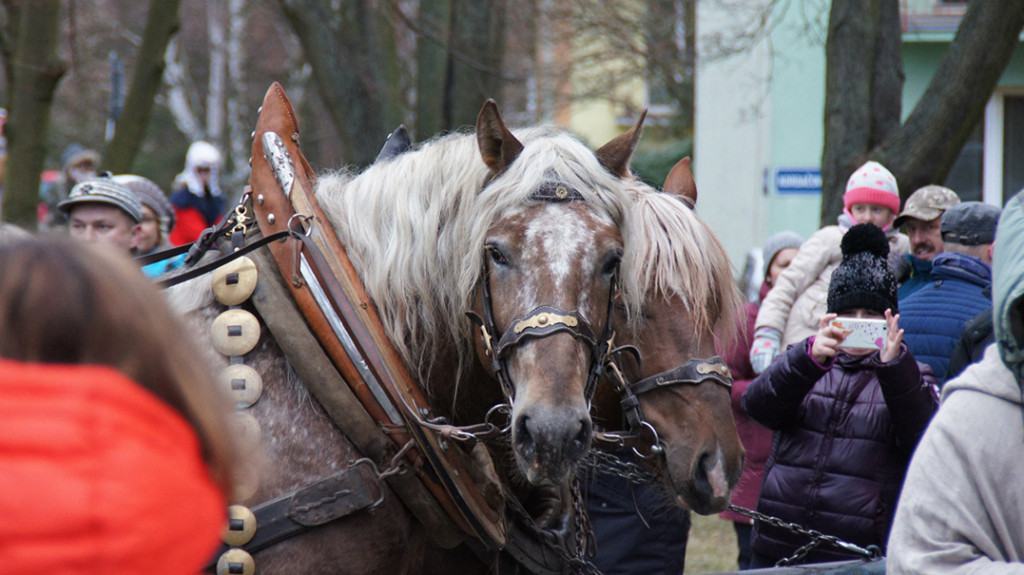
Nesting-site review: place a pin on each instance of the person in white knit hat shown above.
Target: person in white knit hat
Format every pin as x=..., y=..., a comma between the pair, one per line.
x=792, y=309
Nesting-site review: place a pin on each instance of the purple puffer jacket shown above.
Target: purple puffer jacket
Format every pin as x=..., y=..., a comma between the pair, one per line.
x=843, y=437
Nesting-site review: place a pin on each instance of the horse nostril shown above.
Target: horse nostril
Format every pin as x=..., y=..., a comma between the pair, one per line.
x=700, y=473
x=524, y=436
x=582, y=440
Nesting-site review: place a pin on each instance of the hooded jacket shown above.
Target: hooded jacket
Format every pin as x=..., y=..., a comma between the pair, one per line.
x=843, y=437
x=99, y=476
x=961, y=508
x=196, y=207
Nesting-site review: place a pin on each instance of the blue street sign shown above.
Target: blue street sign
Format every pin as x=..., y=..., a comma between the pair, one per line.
x=798, y=181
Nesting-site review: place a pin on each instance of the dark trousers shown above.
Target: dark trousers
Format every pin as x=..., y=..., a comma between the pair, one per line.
x=758, y=561
x=743, y=531
x=637, y=528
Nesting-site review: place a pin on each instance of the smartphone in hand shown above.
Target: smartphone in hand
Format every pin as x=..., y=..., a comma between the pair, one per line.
x=862, y=333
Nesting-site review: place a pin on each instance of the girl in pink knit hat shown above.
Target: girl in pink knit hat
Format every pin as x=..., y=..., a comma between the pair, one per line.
x=792, y=309
x=872, y=196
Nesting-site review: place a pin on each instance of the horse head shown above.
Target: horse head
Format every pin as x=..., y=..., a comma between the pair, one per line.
x=550, y=261
x=681, y=390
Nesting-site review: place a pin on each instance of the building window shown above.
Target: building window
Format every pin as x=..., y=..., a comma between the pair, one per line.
x=965, y=178
x=1013, y=145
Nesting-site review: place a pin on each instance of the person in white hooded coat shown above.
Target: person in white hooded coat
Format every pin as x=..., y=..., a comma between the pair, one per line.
x=962, y=505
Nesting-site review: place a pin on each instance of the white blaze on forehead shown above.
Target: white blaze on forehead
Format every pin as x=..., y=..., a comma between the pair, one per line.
x=564, y=238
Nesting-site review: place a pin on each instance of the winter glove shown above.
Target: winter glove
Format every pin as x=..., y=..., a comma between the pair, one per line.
x=767, y=345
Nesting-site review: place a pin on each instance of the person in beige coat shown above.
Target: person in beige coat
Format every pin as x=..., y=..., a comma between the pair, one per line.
x=791, y=311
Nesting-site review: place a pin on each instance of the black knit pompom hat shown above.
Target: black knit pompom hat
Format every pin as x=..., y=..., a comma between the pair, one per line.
x=863, y=279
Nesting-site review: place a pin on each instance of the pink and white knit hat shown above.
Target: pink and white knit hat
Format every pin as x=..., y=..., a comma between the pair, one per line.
x=872, y=184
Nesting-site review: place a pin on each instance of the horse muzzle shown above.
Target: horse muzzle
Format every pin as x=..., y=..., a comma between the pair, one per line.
x=549, y=443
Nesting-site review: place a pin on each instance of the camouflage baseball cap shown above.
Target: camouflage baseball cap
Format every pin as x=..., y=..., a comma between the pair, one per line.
x=927, y=204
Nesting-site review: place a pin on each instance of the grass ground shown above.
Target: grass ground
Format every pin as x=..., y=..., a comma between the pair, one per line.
x=711, y=547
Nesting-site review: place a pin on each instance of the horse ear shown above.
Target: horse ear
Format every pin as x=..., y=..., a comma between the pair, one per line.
x=498, y=146
x=615, y=155
x=398, y=143
x=679, y=182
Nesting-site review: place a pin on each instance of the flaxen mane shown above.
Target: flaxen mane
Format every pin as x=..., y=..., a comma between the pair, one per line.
x=415, y=227
x=669, y=251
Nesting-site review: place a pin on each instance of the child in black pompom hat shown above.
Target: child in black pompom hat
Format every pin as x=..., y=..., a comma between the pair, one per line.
x=863, y=279
x=845, y=420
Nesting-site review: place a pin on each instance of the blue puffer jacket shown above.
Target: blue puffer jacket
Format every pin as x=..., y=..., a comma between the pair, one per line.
x=933, y=317
x=843, y=438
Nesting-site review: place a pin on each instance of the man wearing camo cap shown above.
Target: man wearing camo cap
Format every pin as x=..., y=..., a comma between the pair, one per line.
x=920, y=220
x=101, y=210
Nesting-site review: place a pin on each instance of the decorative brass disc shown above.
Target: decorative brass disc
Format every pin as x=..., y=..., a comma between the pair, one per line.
x=241, y=526
x=249, y=432
x=243, y=383
x=247, y=482
x=235, y=332
x=234, y=561
x=235, y=281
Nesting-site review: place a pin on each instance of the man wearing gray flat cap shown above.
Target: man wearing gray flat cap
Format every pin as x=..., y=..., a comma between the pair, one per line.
x=103, y=211
x=933, y=317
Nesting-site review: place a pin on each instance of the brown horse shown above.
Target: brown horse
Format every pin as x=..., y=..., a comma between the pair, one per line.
x=681, y=275
x=536, y=223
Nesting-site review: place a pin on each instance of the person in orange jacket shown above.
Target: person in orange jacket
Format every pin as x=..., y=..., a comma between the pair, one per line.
x=115, y=452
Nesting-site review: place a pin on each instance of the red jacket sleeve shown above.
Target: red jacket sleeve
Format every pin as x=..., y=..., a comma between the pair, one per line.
x=189, y=224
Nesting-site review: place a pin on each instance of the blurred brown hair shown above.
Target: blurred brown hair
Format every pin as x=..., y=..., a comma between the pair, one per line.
x=73, y=303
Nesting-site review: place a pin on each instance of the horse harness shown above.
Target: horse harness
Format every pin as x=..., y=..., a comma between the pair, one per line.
x=640, y=435
x=345, y=360
x=387, y=421
x=544, y=320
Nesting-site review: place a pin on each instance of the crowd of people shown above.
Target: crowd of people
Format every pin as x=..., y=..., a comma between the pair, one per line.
x=904, y=443
x=869, y=443
x=107, y=422
x=130, y=211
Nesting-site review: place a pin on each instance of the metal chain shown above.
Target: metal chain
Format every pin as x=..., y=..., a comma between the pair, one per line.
x=581, y=524
x=610, y=464
x=586, y=545
x=817, y=537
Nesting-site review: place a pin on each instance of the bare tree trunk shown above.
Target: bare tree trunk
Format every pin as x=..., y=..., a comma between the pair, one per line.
x=863, y=91
x=433, y=23
x=161, y=25
x=351, y=50
x=9, y=41
x=475, y=57
x=923, y=151
x=861, y=119
x=180, y=100
x=37, y=71
x=238, y=122
x=216, y=94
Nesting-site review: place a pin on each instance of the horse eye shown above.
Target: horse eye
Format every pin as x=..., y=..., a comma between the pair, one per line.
x=496, y=255
x=611, y=262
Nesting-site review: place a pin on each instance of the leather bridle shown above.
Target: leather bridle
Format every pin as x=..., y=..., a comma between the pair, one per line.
x=543, y=320
x=640, y=435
